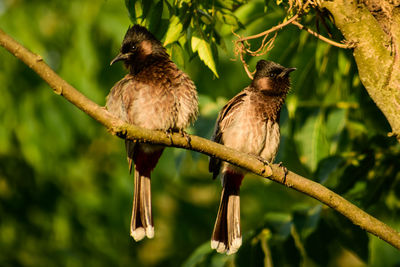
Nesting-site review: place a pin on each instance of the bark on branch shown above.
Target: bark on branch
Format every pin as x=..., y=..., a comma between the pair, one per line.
x=375, y=27
x=273, y=172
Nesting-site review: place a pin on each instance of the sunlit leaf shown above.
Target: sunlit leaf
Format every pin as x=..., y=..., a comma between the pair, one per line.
x=174, y=30
x=205, y=53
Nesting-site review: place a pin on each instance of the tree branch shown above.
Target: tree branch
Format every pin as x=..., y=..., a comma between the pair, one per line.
x=242, y=42
x=377, y=53
x=251, y=163
x=323, y=38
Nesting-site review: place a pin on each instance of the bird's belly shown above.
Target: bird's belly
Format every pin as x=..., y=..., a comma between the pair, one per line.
x=155, y=113
x=256, y=137
x=272, y=140
x=246, y=135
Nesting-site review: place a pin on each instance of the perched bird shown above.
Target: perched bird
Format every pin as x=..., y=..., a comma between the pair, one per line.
x=249, y=122
x=155, y=95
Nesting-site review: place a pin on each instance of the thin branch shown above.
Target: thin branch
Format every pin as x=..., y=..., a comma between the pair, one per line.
x=242, y=42
x=323, y=38
x=273, y=29
x=251, y=163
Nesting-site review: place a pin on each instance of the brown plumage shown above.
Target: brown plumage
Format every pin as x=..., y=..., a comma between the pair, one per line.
x=155, y=95
x=249, y=122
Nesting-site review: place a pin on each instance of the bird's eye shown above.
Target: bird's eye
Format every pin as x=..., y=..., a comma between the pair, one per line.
x=133, y=47
x=272, y=74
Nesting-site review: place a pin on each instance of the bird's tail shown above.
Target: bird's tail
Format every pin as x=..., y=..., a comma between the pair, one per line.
x=142, y=219
x=227, y=237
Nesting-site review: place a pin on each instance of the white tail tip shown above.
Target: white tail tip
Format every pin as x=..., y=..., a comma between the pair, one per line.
x=214, y=244
x=218, y=246
x=234, y=247
x=150, y=231
x=138, y=234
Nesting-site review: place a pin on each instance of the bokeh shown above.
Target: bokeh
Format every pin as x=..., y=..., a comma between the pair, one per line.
x=65, y=188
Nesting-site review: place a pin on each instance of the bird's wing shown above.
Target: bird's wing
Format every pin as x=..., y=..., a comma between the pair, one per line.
x=224, y=120
x=118, y=103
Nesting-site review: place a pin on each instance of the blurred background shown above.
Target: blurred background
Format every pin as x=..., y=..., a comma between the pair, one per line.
x=65, y=189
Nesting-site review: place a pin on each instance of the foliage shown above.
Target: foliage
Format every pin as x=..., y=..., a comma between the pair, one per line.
x=65, y=192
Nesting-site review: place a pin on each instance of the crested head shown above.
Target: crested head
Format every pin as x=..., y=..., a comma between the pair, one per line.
x=271, y=77
x=138, y=46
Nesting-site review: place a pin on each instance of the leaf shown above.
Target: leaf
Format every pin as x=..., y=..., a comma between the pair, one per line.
x=306, y=220
x=335, y=124
x=327, y=166
x=313, y=141
x=146, y=5
x=230, y=19
x=174, y=30
x=154, y=18
x=198, y=255
x=176, y=53
x=205, y=53
x=130, y=5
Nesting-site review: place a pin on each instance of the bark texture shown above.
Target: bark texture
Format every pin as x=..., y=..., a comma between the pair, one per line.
x=374, y=25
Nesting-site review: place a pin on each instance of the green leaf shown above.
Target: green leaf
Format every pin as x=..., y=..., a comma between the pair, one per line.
x=139, y=12
x=154, y=18
x=174, y=30
x=313, y=141
x=205, y=53
x=146, y=5
x=230, y=19
x=130, y=5
x=198, y=255
x=176, y=53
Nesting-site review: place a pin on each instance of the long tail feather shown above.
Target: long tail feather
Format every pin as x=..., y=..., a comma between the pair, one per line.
x=142, y=220
x=227, y=237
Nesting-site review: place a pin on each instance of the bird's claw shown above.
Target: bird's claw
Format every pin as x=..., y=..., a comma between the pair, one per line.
x=122, y=133
x=266, y=165
x=187, y=136
x=285, y=171
x=168, y=133
x=264, y=161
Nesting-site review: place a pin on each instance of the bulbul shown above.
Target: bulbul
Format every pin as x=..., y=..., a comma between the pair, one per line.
x=249, y=122
x=155, y=95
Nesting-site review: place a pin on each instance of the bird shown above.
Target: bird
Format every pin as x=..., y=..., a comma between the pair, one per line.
x=156, y=95
x=249, y=122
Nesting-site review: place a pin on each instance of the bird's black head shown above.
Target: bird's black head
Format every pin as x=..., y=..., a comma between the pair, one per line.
x=138, y=46
x=272, y=77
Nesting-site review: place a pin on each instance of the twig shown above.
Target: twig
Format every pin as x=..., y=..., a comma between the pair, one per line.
x=241, y=42
x=273, y=172
x=323, y=38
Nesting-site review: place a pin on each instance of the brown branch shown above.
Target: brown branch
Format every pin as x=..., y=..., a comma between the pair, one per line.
x=273, y=29
x=241, y=42
x=273, y=172
x=377, y=54
x=322, y=38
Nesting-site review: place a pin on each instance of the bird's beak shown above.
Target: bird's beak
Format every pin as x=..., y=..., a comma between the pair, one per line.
x=119, y=57
x=285, y=72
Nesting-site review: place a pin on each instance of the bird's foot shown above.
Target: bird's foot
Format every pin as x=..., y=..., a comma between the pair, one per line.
x=122, y=133
x=285, y=171
x=267, y=166
x=168, y=133
x=187, y=136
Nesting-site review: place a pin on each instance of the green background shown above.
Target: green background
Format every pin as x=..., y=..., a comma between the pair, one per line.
x=65, y=189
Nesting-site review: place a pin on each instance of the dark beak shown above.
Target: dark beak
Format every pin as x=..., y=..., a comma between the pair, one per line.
x=285, y=72
x=119, y=57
